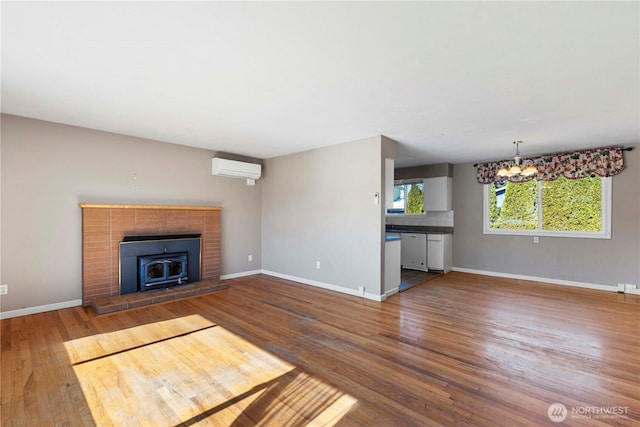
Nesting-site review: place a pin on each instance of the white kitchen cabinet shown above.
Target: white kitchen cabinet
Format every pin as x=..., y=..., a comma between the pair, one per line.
x=440, y=252
x=392, y=277
x=438, y=193
x=414, y=251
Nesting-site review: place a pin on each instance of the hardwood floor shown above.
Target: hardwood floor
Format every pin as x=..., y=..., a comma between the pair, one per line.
x=460, y=349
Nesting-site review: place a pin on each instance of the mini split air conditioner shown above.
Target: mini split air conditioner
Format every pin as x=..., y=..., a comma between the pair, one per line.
x=235, y=169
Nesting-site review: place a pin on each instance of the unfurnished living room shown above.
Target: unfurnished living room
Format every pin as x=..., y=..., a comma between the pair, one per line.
x=320, y=213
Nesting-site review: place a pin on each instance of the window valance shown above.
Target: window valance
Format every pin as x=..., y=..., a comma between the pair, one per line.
x=578, y=164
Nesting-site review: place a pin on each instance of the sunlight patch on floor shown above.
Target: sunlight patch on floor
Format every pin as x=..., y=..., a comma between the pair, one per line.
x=99, y=345
x=206, y=377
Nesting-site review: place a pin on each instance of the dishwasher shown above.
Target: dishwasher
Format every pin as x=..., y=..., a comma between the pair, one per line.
x=413, y=251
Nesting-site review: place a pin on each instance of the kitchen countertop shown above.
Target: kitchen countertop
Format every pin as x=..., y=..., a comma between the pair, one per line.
x=421, y=229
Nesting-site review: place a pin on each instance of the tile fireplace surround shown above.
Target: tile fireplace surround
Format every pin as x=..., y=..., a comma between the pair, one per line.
x=104, y=226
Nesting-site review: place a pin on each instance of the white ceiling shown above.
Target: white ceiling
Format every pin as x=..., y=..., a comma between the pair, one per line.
x=450, y=81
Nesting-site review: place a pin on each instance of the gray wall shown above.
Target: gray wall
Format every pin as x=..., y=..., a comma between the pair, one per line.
x=602, y=262
x=318, y=206
x=47, y=169
x=310, y=206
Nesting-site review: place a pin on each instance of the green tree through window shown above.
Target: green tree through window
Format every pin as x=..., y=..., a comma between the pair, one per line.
x=562, y=205
x=415, y=200
x=572, y=204
x=519, y=210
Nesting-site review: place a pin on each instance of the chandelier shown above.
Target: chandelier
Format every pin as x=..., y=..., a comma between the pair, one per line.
x=516, y=168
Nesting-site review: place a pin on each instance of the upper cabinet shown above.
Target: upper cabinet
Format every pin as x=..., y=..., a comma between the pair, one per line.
x=438, y=193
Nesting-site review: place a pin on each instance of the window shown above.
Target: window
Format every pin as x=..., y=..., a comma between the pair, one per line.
x=560, y=208
x=408, y=198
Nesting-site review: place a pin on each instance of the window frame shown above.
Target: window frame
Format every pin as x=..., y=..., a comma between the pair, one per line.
x=405, y=182
x=604, y=233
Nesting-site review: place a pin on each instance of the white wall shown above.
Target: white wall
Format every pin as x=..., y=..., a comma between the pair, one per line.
x=47, y=169
x=318, y=205
x=586, y=261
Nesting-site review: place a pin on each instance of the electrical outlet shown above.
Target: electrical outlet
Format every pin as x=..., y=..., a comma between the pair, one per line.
x=4, y=289
x=536, y=239
x=318, y=265
x=361, y=290
x=250, y=258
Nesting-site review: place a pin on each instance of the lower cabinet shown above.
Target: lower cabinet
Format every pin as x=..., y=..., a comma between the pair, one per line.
x=392, y=275
x=440, y=252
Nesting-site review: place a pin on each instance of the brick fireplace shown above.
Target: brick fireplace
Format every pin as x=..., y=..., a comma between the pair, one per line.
x=104, y=226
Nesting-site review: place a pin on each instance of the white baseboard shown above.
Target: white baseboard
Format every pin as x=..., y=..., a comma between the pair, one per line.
x=538, y=279
x=241, y=274
x=75, y=303
x=39, y=309
x=391, y=292
x=327, y=286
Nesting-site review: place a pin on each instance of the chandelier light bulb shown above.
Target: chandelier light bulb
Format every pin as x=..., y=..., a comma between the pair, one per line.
x=516, y=169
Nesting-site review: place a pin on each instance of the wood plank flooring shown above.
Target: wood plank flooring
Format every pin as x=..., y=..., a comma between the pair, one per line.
x=460, y=349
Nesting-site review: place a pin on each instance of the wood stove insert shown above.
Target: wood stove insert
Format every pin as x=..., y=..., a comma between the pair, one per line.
x=158, y=262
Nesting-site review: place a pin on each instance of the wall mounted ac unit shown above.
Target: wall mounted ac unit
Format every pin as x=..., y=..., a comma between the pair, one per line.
x=235, y=169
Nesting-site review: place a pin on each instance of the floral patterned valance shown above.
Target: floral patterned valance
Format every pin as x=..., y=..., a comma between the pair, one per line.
x=579, y=164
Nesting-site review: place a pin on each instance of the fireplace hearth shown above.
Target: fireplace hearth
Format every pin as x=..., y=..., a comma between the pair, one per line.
x=158, y=262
